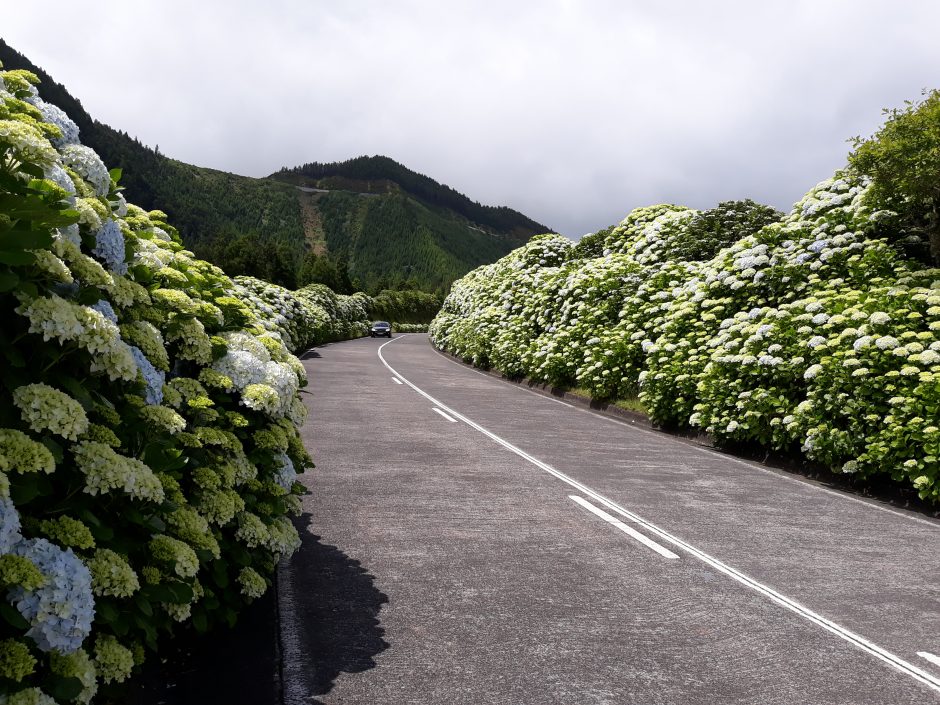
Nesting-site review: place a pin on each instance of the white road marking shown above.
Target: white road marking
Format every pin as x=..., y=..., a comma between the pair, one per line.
x=633, y=533
x=861, y=642
x=933, y=658
x=469, y=368
x=700, y=448
x=434, y=408
x=396, y=380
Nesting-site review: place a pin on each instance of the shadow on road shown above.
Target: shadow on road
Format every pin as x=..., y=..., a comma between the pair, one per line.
x=310, y=354
x=329, y=614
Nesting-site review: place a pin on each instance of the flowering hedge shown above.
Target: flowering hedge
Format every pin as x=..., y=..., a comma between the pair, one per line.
x=809, y=333
x=315, y=314
x=148, y=424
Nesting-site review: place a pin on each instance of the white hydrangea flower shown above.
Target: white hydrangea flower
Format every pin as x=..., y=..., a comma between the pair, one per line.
x=45, y=408
x=89, y=166
x=812, y=371
x=241, y=367
x=26, y=143
x=886, y=342
x=106, y=470
x=816, y=341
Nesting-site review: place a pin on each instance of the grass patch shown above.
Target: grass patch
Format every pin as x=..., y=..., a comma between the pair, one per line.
x=628, y=404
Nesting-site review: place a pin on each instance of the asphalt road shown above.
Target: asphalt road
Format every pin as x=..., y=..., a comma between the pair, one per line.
x=469, y=541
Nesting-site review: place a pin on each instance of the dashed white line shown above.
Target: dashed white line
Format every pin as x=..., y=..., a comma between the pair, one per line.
x=700, y=448
x=905, y=667
x=614, y=521
x=435, y=409
x=396, y=380
x=933, y=658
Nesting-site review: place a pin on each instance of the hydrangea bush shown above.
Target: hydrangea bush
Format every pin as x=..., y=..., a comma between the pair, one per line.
x=314, y=314
x=148, y=429
x=809, y=332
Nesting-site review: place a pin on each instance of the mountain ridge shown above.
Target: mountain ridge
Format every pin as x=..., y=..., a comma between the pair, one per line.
x=373, y=173
x=413, y=232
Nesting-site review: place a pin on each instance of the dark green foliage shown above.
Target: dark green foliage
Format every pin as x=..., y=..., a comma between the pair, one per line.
x=275, y=262
x=380, y=174
x=903, y=160
x=405, y=306
x=383, y=226
x=592, y=245
x=718, y=227
x=391, y=240
x=323, y=270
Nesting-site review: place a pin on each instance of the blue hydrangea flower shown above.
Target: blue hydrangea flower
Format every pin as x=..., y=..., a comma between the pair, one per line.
x=71, y=233
x=818, y=246
x=153, y=377
x=286, y=474
x=109, y=247
x=56, y=116
x=9, y=526
x=56, y=174
x=61, y=611
x=105, y=309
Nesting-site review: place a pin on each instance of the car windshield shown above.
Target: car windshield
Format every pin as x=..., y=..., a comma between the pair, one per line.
x=380, y=324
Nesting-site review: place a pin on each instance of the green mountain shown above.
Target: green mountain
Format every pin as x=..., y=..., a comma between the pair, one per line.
x=367, y=223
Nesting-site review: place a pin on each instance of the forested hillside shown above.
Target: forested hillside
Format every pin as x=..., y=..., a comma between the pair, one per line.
x=380, y=174
x=413, y=232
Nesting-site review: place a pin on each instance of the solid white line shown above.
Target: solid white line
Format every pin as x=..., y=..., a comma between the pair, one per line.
x=896, y=662
x=933, y=658
x=698, y=447
x=396, y=380
x=443, y=414
x=633, y=533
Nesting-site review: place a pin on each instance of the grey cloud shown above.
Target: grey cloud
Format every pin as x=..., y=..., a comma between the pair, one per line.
x=572, y=112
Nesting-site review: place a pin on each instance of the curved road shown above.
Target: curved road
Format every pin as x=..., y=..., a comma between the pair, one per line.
x=470, y=541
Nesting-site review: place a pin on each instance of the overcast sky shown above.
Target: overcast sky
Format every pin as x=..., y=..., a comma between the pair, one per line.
x=572, y=112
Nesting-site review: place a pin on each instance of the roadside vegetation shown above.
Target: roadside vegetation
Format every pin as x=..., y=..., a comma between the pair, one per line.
x=375, y=224
x=149, y=419
x=815, y=333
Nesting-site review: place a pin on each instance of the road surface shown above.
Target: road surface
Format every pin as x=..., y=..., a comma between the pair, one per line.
x=469, y=541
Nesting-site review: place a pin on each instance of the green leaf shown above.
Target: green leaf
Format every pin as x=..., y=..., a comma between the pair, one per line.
x=57, y=452
x=78, y=390
x=29, y=240
x=143, y=604
x=8, y=281
x=89, y=518
x=120, y=626
x=181, y=593
x=17, y=257
x=116, y=174
x=200, y=621
x=62, y=687
x=12, y=616
x=25, y=488
x=106, y=611
x=220, y=573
